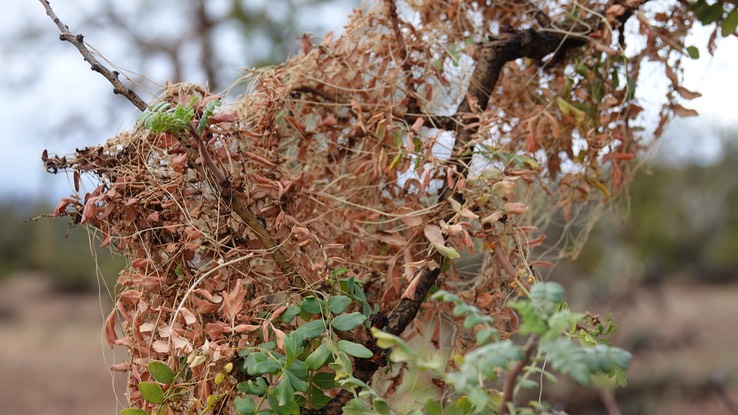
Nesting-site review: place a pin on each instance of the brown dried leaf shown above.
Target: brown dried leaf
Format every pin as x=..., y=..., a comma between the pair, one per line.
x=110, y=336
x=684, y=112
x=687, y=94
x=233, y=301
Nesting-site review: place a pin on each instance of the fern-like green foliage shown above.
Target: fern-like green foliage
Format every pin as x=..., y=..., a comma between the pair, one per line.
x=206, y=113
x=162, y=117
x=544, y=315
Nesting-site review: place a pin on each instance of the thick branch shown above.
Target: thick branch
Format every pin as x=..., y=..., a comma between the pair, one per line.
x=78, y=41
x=492, y=57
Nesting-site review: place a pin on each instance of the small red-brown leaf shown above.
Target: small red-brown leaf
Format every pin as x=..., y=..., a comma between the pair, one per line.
x=684, y=112
x=233, y=301
x=245, y=328
x=306, y=43
x=121, y=367
x=110, y=335
x=687, y=94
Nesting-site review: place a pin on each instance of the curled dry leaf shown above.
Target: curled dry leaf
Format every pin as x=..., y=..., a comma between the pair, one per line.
x=110, y=336
x=492, y=217
x=503, y=187
x=120, y=367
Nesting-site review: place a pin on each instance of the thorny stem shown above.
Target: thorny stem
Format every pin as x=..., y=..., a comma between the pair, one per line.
x=78, y=41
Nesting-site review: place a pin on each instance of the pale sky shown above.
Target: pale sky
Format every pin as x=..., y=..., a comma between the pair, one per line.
x=64, y=81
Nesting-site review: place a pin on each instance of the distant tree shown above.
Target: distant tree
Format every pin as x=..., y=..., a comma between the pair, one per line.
x=280, y=244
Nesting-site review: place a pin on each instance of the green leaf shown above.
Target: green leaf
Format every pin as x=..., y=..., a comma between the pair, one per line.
x=353, y=382
x=290, y=313
x=293, y=345
x=312, y=329
x=299, y=368
x=381, y=406
x=356, y=407
x=338, y=271
x=709, y=13
x=463, y=309
x=318, y=357
x=338, y=303
x=152, y=392
x=570, y=110
x=354, y=349
x=550, y=292
x=269, y=366
x=531, y=319
x=256, y=386
x=484, y=335
x=401, y=352
x=206, y=113
x=693, y=52
x=348, y=321
x=310, y=305
x=133, y=411
x=324, y=380
x=283, y=395
x=161, y=372
x=631, y=89
x=730, y=23
x=244, y=405
x=316, y=398
x=296, y=381
x=442, y=295
x=432, y=407
x=563, y=321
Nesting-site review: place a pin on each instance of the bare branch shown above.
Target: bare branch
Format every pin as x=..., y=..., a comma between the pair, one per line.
x=78, y=41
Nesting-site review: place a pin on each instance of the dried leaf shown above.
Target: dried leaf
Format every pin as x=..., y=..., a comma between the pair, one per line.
x=435, y=237
x=233, y=301
x=684, y=112
x=687, y=94
x=110, y=336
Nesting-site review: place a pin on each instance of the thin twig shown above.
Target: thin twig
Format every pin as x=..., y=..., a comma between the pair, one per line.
x=78, y=41
x=412, y=104
x=512, y=376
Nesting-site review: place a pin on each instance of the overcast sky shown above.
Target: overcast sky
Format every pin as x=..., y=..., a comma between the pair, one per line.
x=63, y=81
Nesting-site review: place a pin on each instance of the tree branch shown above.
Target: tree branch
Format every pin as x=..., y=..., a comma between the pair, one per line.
x=239, y=207
x=78, y=41
x=512, y=376
x=412, y=104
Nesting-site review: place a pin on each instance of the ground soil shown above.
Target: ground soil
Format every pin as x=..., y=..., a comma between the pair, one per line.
x=53, y=359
